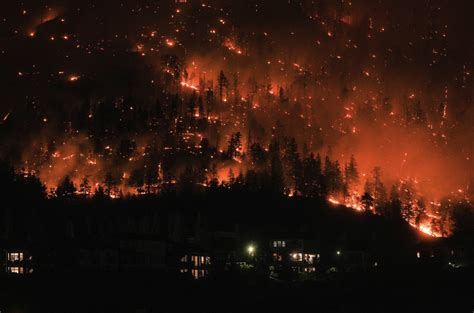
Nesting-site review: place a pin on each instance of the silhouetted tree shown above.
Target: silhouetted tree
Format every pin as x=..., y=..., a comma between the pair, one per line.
x=223, y=84
x=66, y=188
x=407, y=195
x=313, y=184
x=352, y=174
x=99, y=193
x=235, y=146
x=109, y=183
x=276, y=169
x=85, y=187
x=419, y=212
x=257, y=154
x=188, y=180
x=395, y=204
x=137, y=179
x=333, y=176
x=379, y=191
x=463, y=217
x=292, y=164
x=172, y=67
x=367, y=201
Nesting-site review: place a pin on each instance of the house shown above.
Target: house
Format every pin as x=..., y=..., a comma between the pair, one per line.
x=195, y=262
x=299, y=255
x=18, y=261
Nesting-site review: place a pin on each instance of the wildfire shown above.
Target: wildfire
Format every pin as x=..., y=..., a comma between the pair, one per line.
x=427, y=229
x=190, y=86
x=170, y=43
x=74, y=78
x=334, y=201
x=279, y=77
x=354, y=203
x=232, y=46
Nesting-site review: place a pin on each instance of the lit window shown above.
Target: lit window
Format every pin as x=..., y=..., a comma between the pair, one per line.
x=195, y=260
x=309, y=258
x=15, y=256
x=14, y=270
x=298, y=257
x=283, y=244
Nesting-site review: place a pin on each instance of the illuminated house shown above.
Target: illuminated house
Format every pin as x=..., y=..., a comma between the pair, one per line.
x=298, y=255
x=196, y=263
x=18, y=262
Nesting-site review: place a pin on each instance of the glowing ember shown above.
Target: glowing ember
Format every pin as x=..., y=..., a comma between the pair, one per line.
x=170, y=43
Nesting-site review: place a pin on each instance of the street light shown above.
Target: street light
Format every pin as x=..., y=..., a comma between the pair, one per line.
x=251, y=250
x=338, y=252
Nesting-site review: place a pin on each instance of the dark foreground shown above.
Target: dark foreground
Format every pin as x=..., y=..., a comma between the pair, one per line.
x=414, y=290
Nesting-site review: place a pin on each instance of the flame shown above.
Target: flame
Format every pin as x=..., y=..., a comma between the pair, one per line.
x=170, y=43
x=190, y=86
x=426, y=229
x=334, y=201
x=232, y=46
x=353, y=202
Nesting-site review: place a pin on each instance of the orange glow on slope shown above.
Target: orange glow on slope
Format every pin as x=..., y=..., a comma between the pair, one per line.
x=423, y=227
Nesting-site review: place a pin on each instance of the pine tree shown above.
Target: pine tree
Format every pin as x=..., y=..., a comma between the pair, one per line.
x=137, y=179
x=292, y=163
x=223, y=84
x=419, y=212
x=66, y=188
x=312, y=178
x=235, y=145
x=109, y=183
x=367, y=201
x=352, y=174
x=99, y=193
x=395, y=204
x=276, y=169
x=380, y=193
x=257, y=154
x=85, y=188
x=407, y=195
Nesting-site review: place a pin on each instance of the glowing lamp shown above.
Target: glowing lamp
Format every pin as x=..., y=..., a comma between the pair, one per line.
x=251, y=249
